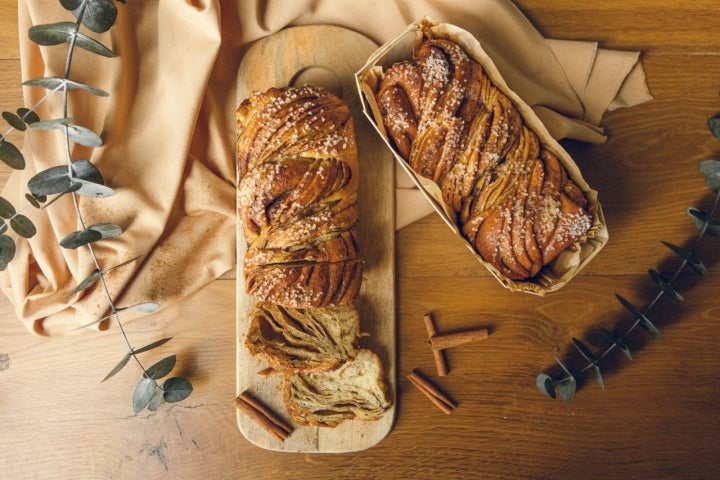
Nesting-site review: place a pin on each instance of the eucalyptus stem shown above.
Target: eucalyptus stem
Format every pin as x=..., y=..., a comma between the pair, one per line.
x=31, y=110
x=75, y=197
x=566, y=382
x=658, y=296
x=80, y=178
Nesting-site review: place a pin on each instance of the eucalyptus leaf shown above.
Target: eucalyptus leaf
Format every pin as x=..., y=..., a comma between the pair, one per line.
x=546, y=385
x=80, y=238
x=35, y=199
x=92, y=45
x=6, y=208
x=690, y=258
x=156, y=400
x=84, y=136
x=99, y=15
x=49, y=83
x=57, y=180
x=643, y=321
x=86, y=282
x=27, y=115
x=126, y=262
x=98, y=320
x=51, y=33
x=7, y=250
x=107, y=230
x=566, y=388
x=176, y=389
x=615, y=339
x=51, y=181
x=97, y=275
x=120, y=365
x=52, y=124
x=562, y=365
x=665, y=286
x=711, y=170
x=598, y=376
x=56, y=83
x=704, y=221
x=23, y=226
x=145, y=307
x=71, y=4
x=85, y=170
x=14, y=121
x=73, y=85
x=152, y=345
x=3, y=226
x=11, y=156
x=584, y=351
x=91, y=234
x=161, y=368
x=650, y=327
x=91, y=189
x=90, y=180
x=714, y=126
x=144, y=392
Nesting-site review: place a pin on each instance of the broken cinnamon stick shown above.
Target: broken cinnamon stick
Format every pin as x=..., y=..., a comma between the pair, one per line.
x=432, y=392
x=438, y=355
x=263, y=416
x=448, y=340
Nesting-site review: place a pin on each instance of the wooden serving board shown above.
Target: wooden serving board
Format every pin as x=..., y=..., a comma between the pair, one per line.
x=328, y=56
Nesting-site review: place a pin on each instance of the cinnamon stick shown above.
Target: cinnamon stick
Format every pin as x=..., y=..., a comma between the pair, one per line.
x=432, y=392
x=438, y=355
x=263, y=416
x=448, y=340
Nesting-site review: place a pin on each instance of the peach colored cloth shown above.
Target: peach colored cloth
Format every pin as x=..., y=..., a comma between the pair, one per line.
x=168, y=128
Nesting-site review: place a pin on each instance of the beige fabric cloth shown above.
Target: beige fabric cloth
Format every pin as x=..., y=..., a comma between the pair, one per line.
x=168, y=127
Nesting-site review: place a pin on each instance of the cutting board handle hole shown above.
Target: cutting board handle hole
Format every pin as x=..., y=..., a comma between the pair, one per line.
x=318, y=75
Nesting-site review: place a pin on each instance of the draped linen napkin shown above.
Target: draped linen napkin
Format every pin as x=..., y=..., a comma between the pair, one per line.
x=169, y=130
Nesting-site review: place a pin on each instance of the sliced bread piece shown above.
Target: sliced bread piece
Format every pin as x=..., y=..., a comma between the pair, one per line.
x=308, y=339
x=356, y=390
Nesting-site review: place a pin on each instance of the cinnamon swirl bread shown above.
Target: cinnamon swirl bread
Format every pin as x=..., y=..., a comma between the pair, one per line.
x=297, y=203
x=297, y=198
x=510, y=195
x=325, y=399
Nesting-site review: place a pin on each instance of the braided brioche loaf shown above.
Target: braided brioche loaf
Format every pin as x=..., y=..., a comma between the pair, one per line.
x=297, y=203
x=297, y=198
x=511, y=196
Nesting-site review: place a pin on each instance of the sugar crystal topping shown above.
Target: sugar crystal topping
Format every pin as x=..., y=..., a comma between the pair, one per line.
x=295, y=141
x=472, y=141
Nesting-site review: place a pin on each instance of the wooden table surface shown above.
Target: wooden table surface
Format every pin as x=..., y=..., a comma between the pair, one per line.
x=658, y=417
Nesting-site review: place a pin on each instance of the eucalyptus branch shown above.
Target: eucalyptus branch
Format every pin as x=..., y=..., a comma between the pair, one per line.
x=707, y=223
x=80, y=178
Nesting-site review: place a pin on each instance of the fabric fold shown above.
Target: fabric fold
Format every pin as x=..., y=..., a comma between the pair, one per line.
x=169, y=132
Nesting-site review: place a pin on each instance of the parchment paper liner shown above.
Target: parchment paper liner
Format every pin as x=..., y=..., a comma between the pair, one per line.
x=555, y=275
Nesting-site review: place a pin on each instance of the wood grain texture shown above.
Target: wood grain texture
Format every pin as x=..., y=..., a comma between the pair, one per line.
x=657, y=419
x=9, y=31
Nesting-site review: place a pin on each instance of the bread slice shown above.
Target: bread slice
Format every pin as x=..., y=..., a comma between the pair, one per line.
x=309, y=339
x=354, y=391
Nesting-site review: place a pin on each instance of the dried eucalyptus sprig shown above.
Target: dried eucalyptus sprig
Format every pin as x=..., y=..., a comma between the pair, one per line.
x=566, y=384
x=80, y=178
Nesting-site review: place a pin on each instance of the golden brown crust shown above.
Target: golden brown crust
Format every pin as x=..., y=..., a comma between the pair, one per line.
x=297, y=202
x=319, y=284
x=512, y=198
x=297, y=198
x=306, y=122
